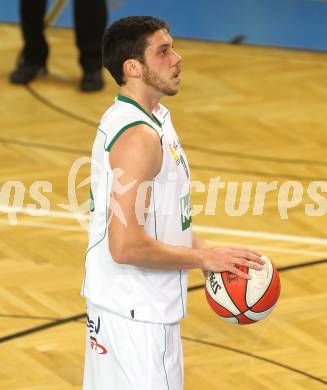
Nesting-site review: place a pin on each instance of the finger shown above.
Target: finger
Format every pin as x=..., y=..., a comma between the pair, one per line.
x=249, y=256
x=239, y=273
x=247, y=263
x=254, y=265
x=243, y=248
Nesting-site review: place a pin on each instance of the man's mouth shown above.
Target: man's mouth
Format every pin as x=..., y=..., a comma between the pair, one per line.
x=177, y=74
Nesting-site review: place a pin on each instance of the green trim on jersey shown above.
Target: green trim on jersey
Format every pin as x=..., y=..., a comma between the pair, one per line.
x=91, y=193
x=91, y=201
x=155, y=215
x=120, y=132
x=163, y=358
x=101, y=239
x=131, y=101
x=164, y=118
x=180, y=283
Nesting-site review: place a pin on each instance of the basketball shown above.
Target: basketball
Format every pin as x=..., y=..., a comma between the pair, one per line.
x=243, y=301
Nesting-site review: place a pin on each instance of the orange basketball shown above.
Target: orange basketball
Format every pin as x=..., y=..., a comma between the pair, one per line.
x=243, y=301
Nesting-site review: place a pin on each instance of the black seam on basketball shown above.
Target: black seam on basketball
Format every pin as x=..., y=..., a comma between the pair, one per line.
x=246, y=286
x=222, y=279
x=246, y=289
x=263, y=294
x=218, y=304
x=250, y=319
x=231, y=297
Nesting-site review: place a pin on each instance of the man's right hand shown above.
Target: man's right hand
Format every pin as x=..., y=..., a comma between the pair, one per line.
x=221, y=259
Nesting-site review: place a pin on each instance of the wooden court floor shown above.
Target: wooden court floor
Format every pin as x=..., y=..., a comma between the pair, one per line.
x=245, y=115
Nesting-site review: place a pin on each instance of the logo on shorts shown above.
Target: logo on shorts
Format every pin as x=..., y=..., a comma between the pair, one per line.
x=95, y=327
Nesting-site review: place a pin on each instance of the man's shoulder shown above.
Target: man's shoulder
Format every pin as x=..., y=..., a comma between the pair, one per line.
x=119, y=118
x=117, y=112
x=119, y=115
x=114, y=123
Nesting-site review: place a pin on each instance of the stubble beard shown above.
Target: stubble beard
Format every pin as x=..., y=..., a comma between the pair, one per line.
x=154, y=80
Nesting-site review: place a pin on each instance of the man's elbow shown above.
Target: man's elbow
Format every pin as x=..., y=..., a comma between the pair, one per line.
x=127, y=249
x=118, y=253
x=122, y=253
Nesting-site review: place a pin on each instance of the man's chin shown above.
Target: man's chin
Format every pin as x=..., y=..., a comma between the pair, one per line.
x=171, y=91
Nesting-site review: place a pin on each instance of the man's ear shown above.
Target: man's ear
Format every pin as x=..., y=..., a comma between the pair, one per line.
x=132, y=68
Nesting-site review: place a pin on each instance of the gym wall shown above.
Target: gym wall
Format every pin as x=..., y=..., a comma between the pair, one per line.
x=298, y=24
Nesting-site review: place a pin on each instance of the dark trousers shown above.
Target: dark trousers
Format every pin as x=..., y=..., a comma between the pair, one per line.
x=90, y=18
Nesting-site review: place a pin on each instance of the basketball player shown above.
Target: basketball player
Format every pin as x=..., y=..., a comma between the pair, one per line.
x=137, y=261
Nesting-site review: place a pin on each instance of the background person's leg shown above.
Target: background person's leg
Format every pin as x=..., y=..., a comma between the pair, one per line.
x=90, y=23
x=32, y=23
x=35, y=50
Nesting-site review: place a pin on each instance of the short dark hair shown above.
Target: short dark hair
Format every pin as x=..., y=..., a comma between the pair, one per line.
x=127, y=38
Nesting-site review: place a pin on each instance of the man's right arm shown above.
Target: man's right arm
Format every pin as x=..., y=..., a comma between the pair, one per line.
x=137, y=155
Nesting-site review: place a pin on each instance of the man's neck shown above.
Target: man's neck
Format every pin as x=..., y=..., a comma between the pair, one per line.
x=146, y=101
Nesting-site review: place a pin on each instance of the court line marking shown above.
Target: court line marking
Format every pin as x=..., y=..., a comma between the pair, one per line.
x=254, y=356
x=67, y=113
x=193, y=148
x=261, y=48
x=286, y=367
x=27, y=317
x=275, y=57
x=42, y=212
x=48, y=103
x=43, y=225
x=80, y=229
x=261, y=234
x=77, y=317
x=189, y=289
x=279, y=269
x=196, y=228
x=35, y=329
x=272, y=248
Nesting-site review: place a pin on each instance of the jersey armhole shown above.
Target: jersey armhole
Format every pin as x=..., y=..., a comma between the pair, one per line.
x=122, y=130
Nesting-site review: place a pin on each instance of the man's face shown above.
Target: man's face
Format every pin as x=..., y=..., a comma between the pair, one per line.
x=162, y=68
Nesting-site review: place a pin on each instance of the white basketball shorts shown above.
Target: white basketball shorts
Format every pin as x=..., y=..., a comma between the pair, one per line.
x=122, y=354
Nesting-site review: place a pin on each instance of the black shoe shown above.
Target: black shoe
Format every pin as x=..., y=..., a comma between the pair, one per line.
x=25, y=72
x=92, y=81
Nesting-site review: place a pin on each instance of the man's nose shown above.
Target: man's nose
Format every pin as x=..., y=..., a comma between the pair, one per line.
x=177, y=57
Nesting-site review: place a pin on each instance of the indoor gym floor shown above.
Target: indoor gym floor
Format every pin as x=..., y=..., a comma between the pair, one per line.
x=243, y=113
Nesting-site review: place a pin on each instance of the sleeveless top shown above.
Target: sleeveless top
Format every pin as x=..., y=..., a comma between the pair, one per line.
x=142, y=294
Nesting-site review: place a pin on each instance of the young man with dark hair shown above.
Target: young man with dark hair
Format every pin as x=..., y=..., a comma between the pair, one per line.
x=140, y=240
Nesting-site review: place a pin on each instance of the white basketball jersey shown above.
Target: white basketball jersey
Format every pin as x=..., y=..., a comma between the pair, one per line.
x=153, y=295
